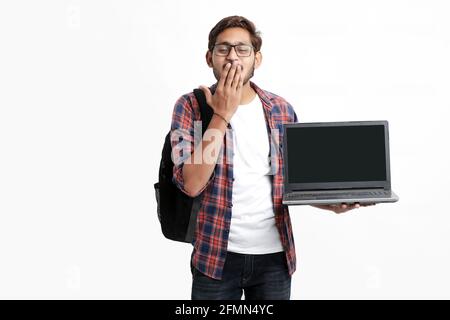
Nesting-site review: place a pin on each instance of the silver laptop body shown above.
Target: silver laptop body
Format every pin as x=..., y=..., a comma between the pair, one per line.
x=337, y=162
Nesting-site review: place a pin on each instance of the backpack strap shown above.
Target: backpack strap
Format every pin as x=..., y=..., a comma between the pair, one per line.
x=206, y=112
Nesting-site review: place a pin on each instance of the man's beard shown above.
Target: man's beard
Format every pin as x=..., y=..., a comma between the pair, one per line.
x=246, y=79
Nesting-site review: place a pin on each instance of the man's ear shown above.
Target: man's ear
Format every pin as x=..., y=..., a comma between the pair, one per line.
x=258, y=59
x=208, y=57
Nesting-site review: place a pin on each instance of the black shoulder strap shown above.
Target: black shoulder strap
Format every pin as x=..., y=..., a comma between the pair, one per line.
x=206, y=111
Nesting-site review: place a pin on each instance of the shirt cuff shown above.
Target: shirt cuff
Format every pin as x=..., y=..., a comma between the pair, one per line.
x=179, y=181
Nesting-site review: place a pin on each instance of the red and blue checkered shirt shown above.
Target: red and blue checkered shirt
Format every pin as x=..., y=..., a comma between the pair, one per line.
x=214, y=216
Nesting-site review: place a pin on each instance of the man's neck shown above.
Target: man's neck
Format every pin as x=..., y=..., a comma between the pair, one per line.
x=248, y=94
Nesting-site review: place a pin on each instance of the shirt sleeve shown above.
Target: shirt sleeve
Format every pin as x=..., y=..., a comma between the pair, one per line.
x=183, y=140
x=292, y=113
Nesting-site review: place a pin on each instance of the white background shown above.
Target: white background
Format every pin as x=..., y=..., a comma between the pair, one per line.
x=87, y=90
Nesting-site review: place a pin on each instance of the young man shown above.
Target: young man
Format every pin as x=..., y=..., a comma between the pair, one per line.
x=243, y=241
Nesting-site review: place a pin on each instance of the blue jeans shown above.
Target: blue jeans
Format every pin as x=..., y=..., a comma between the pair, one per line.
x=259, y=277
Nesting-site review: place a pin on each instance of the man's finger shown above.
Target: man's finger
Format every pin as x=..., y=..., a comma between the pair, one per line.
x=223, y=76
x=207, y=93
x=230, y=76
x=237, y=77
x=241, y=80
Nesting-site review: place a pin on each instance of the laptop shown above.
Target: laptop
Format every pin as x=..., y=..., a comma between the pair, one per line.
x=337, y=162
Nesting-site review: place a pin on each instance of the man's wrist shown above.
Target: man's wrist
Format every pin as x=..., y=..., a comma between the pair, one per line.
x=222, y=117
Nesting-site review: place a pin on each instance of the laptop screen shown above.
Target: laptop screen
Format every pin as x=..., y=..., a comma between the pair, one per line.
x=327, y=154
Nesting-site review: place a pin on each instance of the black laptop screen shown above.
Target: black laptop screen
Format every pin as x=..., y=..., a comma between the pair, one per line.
x=336, y=154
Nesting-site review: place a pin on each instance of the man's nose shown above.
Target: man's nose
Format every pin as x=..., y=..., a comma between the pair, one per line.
x=232, y=55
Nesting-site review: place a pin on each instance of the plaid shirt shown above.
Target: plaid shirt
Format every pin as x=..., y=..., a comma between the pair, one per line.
x=214, y=217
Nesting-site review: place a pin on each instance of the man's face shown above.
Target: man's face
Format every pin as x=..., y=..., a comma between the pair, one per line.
x=234, y=36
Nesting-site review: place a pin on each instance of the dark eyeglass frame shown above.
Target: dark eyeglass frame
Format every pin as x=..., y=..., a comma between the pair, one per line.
x=229, y=46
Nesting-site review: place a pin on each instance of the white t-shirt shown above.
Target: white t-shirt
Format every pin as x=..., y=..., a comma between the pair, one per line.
x=253, y=229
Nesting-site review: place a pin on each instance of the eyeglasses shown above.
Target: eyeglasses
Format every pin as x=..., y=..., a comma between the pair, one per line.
x=223, y=50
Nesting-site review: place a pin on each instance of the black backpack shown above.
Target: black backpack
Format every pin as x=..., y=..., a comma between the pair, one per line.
x=177, y=212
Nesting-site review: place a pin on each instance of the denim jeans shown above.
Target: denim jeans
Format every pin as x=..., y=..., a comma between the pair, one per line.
x=259, y=277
